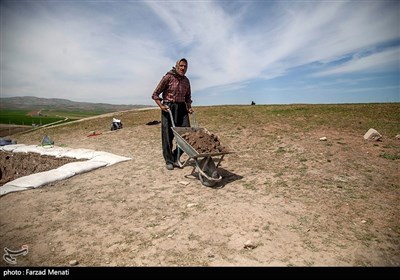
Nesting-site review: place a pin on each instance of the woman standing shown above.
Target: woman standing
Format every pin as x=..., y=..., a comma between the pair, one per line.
x=177, y=97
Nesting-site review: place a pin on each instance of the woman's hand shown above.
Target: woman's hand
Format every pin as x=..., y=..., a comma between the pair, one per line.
x=165, y=108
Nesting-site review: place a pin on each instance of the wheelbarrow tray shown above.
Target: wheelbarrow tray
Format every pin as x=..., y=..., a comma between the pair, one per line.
x=186, y=147
x=202, y=160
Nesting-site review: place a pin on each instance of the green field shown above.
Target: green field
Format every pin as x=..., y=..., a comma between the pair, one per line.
x=22, y=117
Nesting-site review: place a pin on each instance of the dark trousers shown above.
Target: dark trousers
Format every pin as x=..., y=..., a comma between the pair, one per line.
x=181, y=119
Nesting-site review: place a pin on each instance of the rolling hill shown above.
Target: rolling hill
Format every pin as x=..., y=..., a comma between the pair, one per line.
x=57, y=104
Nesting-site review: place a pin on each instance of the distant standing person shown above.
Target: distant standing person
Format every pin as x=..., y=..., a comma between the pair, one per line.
x=177, y=97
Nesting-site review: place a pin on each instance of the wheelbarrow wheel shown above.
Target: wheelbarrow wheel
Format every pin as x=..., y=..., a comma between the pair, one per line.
x=205, y=181
x=211, y=171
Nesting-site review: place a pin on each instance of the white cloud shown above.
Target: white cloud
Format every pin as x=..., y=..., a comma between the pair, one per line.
x=91, y=50
x=302, y=33
x=384, y=61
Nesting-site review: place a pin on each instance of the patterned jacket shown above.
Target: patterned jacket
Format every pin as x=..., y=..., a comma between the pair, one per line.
x=174, y=88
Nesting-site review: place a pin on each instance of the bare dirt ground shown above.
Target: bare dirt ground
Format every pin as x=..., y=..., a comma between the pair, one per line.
x=286, y=199
x=9, y=129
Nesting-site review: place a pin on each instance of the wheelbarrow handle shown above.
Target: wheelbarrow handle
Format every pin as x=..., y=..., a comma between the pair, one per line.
x=172, y=118
x=194, y=119
x=173, y=123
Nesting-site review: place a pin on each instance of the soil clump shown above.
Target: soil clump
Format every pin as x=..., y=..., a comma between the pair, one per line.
x=203, y=142
x=16, y=165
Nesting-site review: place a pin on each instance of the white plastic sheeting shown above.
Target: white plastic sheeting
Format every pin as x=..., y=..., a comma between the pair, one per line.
x=80, y=153
x=95, y=159
x=81, y=166
x=10, y=148
x=35, y=180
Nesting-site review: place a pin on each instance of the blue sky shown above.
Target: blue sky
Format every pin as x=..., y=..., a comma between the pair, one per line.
x=270, y=52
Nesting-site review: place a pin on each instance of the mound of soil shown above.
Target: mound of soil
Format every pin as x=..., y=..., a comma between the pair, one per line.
x=15, y=165
x=203, y=142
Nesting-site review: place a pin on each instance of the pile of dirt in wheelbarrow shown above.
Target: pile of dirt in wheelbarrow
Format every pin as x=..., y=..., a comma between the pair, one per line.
x=204, y=143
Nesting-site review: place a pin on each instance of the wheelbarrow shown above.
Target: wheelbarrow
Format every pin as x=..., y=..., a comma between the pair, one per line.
x=204, y=164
